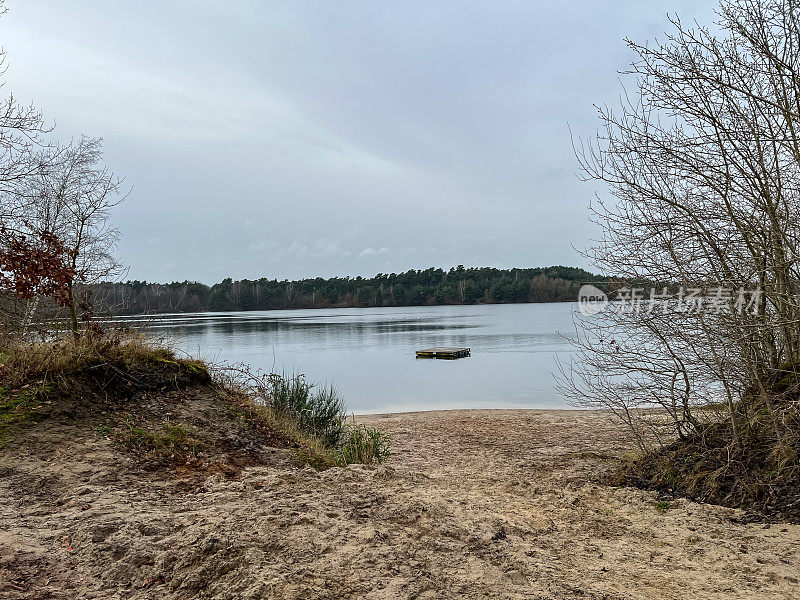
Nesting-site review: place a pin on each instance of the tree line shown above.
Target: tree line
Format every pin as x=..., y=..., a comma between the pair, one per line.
x=458, y=285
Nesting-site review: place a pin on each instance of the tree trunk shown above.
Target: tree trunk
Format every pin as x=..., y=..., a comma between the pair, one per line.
x=73, y=313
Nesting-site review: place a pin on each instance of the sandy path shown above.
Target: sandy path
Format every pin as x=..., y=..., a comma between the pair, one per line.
x=474, y=504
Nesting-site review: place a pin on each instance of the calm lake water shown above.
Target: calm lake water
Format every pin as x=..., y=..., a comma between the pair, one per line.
x=368, y=354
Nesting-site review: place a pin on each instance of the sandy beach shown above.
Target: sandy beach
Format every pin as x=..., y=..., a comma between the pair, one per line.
x=473, y=504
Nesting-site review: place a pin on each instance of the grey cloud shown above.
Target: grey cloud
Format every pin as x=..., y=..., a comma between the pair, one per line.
x=304, y=138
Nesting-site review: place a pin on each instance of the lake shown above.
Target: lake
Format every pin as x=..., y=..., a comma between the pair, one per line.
x=368, y=354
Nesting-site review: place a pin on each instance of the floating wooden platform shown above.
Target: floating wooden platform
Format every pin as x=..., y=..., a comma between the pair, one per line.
x=443, y=353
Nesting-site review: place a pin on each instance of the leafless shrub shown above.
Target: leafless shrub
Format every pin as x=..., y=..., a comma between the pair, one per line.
x=703, y=163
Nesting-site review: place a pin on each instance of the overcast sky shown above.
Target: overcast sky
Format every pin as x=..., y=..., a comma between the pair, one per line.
x=293, y=139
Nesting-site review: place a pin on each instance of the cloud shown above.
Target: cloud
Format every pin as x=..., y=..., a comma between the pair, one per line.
x=262, y=245
x=321, y=248
x=372, y=251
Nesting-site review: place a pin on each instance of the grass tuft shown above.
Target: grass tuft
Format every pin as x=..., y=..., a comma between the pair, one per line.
x=363, y=445
x=318, y=412
x=663, y=506
x=313, y=417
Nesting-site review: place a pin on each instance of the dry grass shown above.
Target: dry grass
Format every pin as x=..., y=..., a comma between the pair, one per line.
x=24, y=362
x=38, y=379
x=104, y=370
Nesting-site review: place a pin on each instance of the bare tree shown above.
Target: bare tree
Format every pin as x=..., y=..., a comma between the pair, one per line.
x=21, y=138
x=21, y=131
x=703, y=162
x=71, y=195
x=55, y=202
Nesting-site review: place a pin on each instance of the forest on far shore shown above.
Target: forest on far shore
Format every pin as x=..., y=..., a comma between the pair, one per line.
x=458, y=285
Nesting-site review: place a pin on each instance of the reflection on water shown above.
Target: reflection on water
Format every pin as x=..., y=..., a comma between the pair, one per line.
x=369, y=353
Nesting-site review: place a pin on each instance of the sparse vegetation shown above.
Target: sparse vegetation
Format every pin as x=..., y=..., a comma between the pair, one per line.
x=663, y=506
x=317, y=411
x=19, y=406
x=363, y=445
x=158, y=440
x=760, y=471
x=96, y=375
x=87, y=378
x=313, y=416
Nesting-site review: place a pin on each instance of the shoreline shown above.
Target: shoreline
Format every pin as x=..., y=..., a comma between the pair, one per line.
x=371, y=415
